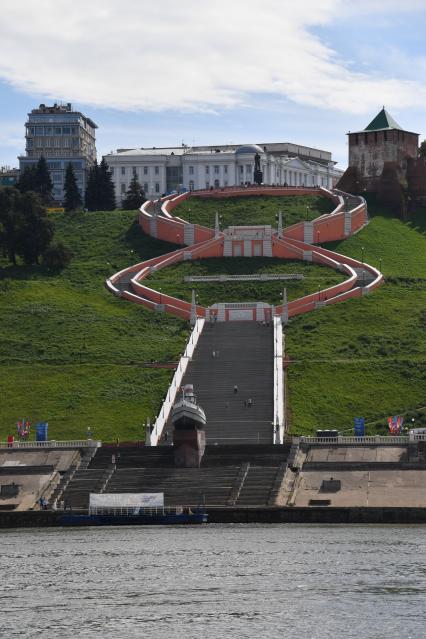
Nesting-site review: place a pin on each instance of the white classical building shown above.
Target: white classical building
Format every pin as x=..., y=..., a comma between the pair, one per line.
x=164, y=170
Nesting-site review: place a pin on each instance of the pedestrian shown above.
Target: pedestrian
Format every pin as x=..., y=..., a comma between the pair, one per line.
x=245, y=403
x=113, y=459
x=249, y=402
x=213, y=354
x=235, y=389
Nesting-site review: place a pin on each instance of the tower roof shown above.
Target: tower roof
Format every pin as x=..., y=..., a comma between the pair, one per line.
x=383, y=120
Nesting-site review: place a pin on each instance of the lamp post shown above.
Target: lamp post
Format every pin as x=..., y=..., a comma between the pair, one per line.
x=160, y=295
x=319, y=292
x=189, y=216
x=307, y=213
x=362, y=254
x=380, y=264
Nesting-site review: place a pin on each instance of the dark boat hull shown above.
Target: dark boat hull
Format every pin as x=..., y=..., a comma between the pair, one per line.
x=71, y=519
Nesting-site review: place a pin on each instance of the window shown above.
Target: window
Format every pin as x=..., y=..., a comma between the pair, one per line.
x=123, y=170
x=156, y=170
x=66, y=130
x=135, y=170
x=191, y=185
x=225, y=168
x=123, y=188
x=216, y=184
x=241, y=170
x=145, y=187
x=48, y=130
x=56, y=177
x=145, y=170
x=39, y=130
x=216, y=170
x=225, y=183
x=248, y=168
x=191, y=170
x=29, y=143
x=58, y=130
x=207, y=170
x=207, y=185
x=157, y=186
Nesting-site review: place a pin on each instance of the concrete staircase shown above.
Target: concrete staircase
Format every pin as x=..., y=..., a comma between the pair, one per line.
x=243, y=358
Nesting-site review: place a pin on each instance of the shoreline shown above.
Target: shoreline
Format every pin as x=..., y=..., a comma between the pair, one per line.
x=253, y=515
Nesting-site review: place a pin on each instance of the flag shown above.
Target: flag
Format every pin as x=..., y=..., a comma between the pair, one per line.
x=395, y=424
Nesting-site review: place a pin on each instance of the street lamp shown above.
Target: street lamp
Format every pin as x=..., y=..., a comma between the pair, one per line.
x=307, y=213
x=189, y=216
x=380, y=264
x=362, y=254
x=160, y=294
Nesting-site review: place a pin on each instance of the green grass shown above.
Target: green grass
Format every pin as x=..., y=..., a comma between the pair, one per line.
x=253, y=210
x=365, y=357
x=171, y=280
x=72, y=353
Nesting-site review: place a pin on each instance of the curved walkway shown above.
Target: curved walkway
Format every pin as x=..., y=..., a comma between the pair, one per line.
x=296, y=242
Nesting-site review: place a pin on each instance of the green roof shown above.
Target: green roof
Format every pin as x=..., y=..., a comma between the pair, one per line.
x=383, y=121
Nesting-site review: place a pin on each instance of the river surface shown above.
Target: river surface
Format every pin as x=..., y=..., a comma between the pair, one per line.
x=217, y=581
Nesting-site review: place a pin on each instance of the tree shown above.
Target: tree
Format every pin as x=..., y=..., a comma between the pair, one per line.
x=27, y=179
x=106, y=188
x=35, y=229
x=10, y=222
x=422, y=149
x=73, y=198
x=57, y=255
x=135, y=195
x=43, y=184
x=91, y=197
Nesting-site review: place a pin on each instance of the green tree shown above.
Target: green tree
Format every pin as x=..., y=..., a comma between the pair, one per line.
x=35, y=229
x=57, y=255
x=43, y=183
x=73, y=198
x=91, y=198
x=106, y=188
x=422, y=149
x=10, y=222
x=27, y=179
x=135, y=195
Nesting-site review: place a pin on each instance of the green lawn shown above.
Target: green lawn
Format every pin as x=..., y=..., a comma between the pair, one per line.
x=72, y=353
x=252, y=210
x=365, y=357
x=171, y=280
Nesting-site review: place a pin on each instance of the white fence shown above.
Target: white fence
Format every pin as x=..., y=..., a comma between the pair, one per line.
x=279, y=419
x=73, y=443
x=175, y=385
x=365, y=441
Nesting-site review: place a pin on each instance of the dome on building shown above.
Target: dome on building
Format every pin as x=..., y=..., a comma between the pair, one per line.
x=249, y=148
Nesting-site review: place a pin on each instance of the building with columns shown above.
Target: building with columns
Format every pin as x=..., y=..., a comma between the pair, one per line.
x=164, y=170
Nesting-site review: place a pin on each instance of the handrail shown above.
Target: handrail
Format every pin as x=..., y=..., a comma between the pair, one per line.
x=53, y=443
x=176, y=382
x=278, y=417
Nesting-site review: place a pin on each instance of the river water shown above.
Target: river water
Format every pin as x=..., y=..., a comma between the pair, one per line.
x=233, y=581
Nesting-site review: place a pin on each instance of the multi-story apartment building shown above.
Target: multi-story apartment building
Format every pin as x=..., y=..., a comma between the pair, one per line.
x=164, y=170
x=62, y=136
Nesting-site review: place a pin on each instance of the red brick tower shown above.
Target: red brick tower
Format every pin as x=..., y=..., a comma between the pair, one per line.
x=383, y=140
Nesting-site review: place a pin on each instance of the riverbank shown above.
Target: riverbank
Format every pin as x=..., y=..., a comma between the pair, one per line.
x=287, y=515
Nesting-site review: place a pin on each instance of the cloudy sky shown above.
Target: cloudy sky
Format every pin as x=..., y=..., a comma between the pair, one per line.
x=159, y=73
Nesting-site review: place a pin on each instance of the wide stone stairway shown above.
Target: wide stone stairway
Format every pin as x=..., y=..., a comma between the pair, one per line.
x=232, y=374
x=246, y=475
x=229, y=355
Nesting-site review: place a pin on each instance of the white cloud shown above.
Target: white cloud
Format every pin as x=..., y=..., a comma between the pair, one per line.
x=190, y=55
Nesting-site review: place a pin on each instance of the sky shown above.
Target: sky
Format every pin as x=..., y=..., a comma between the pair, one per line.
x=232, y=71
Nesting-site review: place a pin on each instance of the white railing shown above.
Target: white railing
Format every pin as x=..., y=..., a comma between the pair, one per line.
x=279, y=419
x=129, y=511
x=263, y=277
x=175, y=385
x=74, y=443
x=364, y=441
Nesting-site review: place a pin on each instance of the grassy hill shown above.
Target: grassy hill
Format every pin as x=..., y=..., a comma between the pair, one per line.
x=366, y=357
x=171, y=280
x=74, y=355
x=253, y=210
